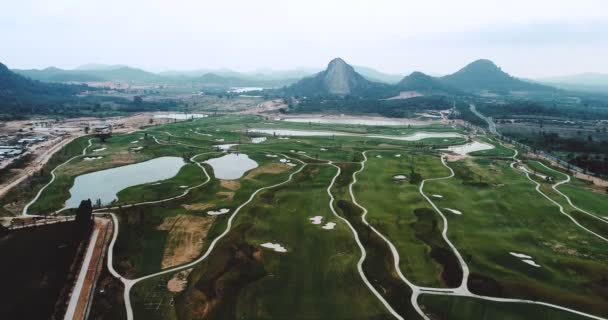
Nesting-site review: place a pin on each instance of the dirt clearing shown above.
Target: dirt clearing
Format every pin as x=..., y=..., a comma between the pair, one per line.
x=230, y=184
x=273, y=168
x=185, y=239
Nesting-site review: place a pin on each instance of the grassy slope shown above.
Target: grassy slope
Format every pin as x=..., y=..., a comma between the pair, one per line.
x=391, y=208
x=461, y=308
x=499, y=203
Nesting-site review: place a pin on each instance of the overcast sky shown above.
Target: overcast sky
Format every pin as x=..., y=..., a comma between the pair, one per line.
x=527, y=38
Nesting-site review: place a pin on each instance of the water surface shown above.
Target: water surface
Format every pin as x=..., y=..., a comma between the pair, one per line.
x=231, y=166
x=314, y=133
x=105, y=184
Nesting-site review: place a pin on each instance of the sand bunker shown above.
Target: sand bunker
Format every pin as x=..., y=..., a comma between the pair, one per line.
x=219, y=140
x=399, y=177
x=378, y=156
x=217, y=213
x=470, y=147
x=329, y=225
x=398, y=156
x=323, y=149
x=258, y=139
x=91, y=158
x=271, y=155
x=301, y=152
x=520, y=255
x=531, y=262
x=284, y=160
x=183, y=187
x=138, y=148
x=136, y=141
x=100, y=149
x=437, y=196
x=316, y=219
x=274, y=246
x=525, y=258
x=293, y=165
x=453, y=211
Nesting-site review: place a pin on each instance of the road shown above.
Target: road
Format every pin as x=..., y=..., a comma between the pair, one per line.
x=82, y=293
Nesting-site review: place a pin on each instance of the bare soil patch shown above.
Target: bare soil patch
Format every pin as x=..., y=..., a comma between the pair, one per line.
x=230, y=184
x=185, y=239
x=179, y=281
x=197, y=206
x=273, y=168
x=229, y=195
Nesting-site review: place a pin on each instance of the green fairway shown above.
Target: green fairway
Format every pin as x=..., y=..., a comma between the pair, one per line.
x=492, y=210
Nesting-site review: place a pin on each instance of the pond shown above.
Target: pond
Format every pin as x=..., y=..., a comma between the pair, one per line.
x=313, y=133
x=470, y=147
x=105, y=184
x=180, y=116
x=365, y=121
x=231, y=166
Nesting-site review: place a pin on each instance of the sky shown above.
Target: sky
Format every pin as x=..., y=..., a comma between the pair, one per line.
x=531, y=38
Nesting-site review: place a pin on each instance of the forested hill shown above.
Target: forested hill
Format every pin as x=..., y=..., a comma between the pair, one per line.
x=484, y=75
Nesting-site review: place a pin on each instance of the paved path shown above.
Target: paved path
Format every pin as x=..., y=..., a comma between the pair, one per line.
x=80, y=298
x=53, y=176
x=129, y=283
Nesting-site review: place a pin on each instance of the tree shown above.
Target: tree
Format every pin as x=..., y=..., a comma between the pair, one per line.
x=84, y=220
x=86, y=130
x=137, y=101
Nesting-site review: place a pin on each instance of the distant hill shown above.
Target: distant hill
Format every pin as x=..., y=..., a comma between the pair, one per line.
x=584, y=81
x=19, y=94
x=53, y=74
x=483, y=75
x=339, y=79
x=377, y=76
x=423, y=83
x=122, y=74
x=99, y=66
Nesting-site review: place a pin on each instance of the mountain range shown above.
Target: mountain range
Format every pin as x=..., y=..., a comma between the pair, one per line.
x=341, y=79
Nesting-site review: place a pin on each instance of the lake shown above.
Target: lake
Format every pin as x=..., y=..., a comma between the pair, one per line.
x=105, y=184
x=313, y=133
x=231, y=166
x=180, y=116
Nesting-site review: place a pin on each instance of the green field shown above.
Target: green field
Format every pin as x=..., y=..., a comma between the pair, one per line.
x=319, y=277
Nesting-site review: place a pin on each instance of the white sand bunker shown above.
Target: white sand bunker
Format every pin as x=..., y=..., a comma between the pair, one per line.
x=525, y=258
x=258, y=139
x=271, y=155
x=453, y=211
x=301, y=152
x=284, y=160
x=155, y=183
x=283, y=138
x=329, y=225
x=221, y=211
x=136, y=141
x=520, y=255
x=183, y=187
x=292, y=164
x=378, y=156
x=92, y=158
x=100, y=149
x=531, y=262
x=274, y=246
x=138, y=148
x=292, y=151
x=470, y=147
x=316, y=219
x=437, y=196
x=219, y=140
x=323, y=149
x=398, y=155
x=399, y=177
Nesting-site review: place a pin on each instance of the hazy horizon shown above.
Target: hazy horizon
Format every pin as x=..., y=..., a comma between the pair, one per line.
x=527, y=39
